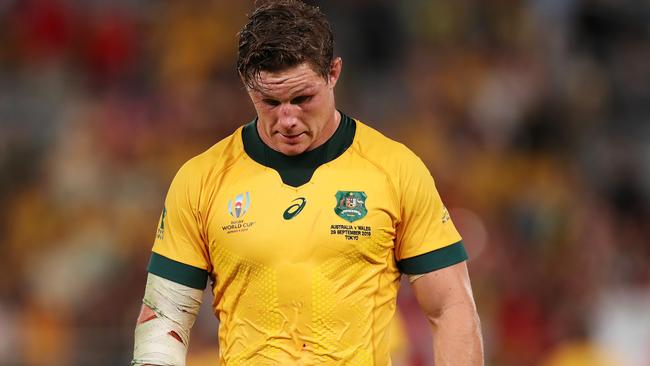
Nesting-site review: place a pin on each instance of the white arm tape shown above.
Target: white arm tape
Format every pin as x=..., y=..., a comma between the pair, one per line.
x=176, y=307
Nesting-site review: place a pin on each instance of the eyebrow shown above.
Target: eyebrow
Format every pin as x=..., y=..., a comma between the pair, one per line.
x=308, y=90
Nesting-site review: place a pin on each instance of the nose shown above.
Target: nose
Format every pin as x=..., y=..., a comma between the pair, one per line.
x=288, y=115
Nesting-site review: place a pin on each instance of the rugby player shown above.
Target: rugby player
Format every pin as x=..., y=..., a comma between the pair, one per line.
x=303, y=222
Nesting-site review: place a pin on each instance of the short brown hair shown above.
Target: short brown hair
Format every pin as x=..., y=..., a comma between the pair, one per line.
x=281, y=34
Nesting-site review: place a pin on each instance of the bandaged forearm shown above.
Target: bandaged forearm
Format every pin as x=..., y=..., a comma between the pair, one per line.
x=176, y=307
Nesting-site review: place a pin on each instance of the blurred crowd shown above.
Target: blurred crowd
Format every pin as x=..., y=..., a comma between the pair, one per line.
x=532, y=115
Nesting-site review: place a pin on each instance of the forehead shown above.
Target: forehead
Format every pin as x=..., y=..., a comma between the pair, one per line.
x=297, y=79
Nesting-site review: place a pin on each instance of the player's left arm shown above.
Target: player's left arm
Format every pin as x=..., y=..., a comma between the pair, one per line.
x=429, y=249
x=445, y=296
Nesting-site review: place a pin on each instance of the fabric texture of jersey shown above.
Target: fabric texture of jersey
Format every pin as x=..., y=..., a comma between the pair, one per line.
x=309, y=274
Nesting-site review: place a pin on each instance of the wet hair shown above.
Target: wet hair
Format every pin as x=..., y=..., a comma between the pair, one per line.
x=281, y=34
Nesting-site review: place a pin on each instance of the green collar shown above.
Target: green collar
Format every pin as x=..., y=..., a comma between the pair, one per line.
x=298, y=170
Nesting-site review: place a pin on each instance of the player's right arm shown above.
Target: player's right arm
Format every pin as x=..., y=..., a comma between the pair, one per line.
x=162, y=332
x=178, y=272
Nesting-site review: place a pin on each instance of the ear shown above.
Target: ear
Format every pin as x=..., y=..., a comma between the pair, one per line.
x=335, y=71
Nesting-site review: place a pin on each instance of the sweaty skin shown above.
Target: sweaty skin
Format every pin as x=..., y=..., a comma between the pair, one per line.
x=295, y=108
x=447, y=300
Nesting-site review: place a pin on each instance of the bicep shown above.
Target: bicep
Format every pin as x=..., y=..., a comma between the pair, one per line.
x=439, y=290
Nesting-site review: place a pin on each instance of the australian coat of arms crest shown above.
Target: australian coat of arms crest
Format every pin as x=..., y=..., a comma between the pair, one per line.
x=351, y=205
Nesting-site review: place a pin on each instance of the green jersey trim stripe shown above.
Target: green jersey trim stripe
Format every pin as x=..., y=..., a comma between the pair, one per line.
x=434, y=260
x=178, y=272
x=298, y=170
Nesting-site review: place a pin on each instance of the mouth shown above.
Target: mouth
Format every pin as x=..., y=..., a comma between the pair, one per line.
x=291, y=138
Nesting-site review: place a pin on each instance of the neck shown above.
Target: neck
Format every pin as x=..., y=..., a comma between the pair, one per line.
x=329, y=130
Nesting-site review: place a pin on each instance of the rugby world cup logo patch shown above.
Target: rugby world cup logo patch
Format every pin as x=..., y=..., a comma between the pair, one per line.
x=239, y=206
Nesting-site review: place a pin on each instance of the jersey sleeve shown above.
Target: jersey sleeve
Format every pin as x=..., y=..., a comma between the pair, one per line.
x=426, y=237
x=180, y=253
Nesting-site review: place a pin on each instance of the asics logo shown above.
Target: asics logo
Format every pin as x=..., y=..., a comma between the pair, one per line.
x=293, y=210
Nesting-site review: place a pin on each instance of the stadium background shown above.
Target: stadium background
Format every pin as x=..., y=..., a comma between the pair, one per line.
x=532, y=115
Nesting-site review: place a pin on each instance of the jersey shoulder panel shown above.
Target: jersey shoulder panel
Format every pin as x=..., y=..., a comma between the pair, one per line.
x=217, y=158
x=182, y=236
x=423, y=225
x=397, y=161
x=383, y=150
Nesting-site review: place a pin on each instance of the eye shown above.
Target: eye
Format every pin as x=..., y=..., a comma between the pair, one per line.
x=301, y=99
x=271, y=102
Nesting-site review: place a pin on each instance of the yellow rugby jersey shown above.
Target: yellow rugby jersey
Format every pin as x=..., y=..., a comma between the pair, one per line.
x=304, y=253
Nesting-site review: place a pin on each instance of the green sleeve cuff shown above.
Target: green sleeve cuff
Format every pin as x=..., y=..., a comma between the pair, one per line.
x=178, y=272
x=434, y=260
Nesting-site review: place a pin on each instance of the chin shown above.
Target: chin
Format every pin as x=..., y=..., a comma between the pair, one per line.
x=292, y=149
